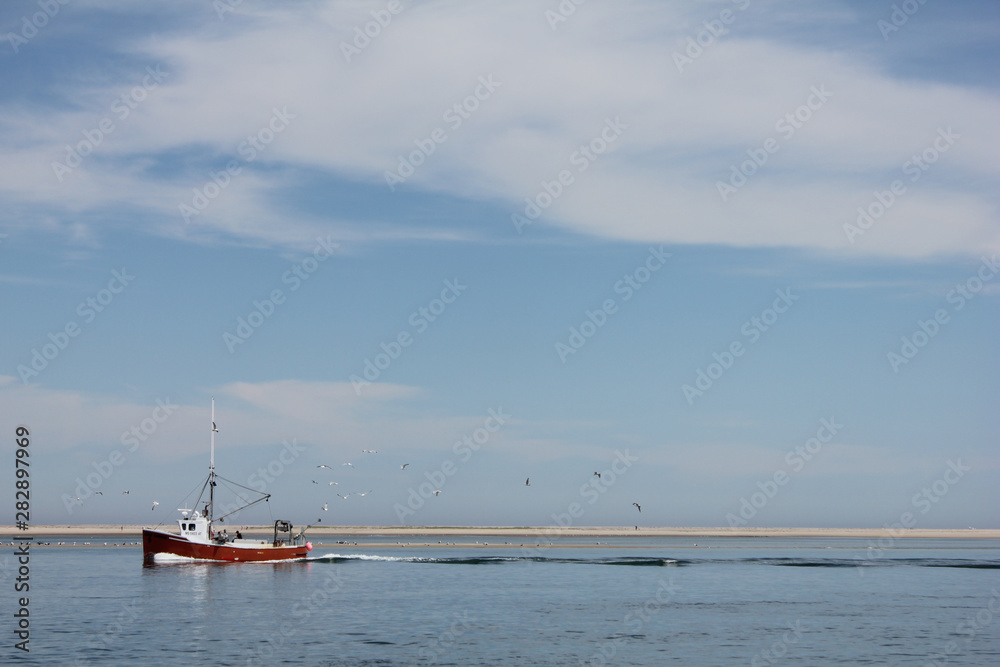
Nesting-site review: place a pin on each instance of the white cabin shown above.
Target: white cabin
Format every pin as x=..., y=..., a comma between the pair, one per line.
x=195, y=527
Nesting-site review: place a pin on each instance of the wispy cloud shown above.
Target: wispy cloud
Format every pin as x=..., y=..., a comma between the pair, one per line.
x=686, y=129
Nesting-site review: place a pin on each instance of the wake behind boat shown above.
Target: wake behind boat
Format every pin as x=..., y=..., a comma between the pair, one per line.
x=198, y=540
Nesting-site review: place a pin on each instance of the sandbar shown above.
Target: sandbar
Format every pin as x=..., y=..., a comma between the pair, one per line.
x=537, y=532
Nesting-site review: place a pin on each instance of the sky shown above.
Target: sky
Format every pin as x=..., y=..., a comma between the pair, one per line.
x=739, y=258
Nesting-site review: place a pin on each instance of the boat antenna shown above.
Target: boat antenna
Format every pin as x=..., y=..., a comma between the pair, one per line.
x=211, y=468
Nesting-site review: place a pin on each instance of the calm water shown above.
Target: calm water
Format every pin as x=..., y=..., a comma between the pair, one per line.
x=726, y=602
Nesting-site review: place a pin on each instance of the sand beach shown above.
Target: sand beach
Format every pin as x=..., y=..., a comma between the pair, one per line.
x=431, y=534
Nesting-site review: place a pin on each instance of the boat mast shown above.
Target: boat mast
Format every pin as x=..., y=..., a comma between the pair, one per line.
x=211, y=469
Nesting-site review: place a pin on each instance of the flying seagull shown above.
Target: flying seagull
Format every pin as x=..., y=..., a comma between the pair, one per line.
x=125, y=493
x=314, y=481
x=437, y=492
x=215, y=430
x=358, y=493
x=369, y=451
x=348, y=464
x=403, y=467
x=155, y=503
x=344, y=497
x=99, y=493
x=527, y=482
x=598, y=475
x=637, y=506
x=324, y=466
x=332, y=483
x=326, y=507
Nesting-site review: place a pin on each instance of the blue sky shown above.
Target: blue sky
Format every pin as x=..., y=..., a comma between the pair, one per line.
x=631, y=235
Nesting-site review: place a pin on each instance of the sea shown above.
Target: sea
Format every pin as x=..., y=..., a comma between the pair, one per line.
x=481, y=601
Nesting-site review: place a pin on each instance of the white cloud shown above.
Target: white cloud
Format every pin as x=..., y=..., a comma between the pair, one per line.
x=329, y=416
x=557, y=88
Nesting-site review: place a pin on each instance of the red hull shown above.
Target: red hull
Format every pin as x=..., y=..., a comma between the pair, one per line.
x=155, y=542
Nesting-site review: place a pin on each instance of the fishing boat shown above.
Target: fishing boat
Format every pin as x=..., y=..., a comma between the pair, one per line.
x=197, y=538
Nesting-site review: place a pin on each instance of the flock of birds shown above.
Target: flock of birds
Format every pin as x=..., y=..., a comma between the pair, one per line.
x=326, y=506
x=344, y=496
x=79, y=501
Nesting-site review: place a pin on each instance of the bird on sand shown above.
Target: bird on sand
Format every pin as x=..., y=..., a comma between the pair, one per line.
x=155, y=503
x=637, y=506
